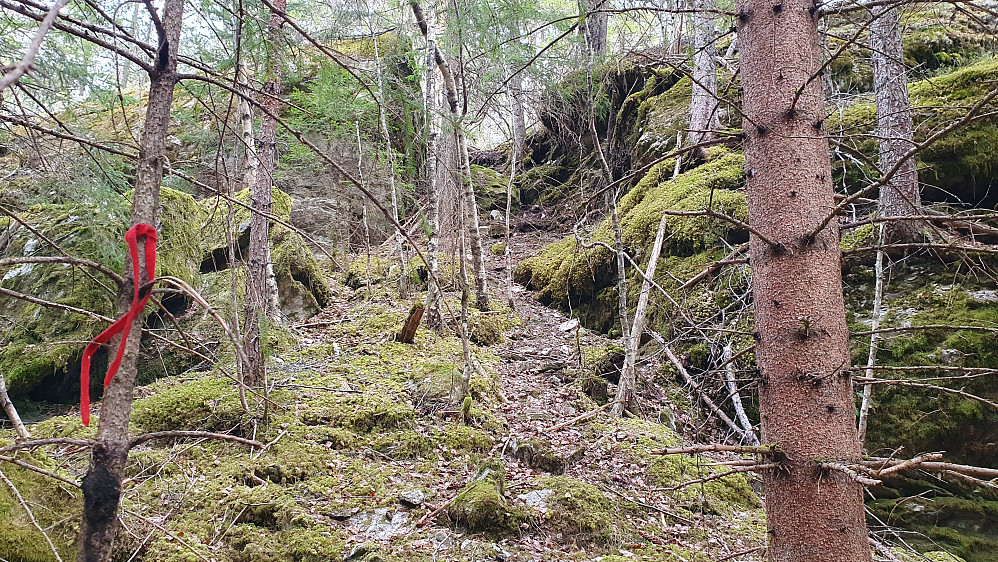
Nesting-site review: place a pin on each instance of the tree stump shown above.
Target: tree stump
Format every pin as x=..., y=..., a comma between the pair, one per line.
x=409, y=328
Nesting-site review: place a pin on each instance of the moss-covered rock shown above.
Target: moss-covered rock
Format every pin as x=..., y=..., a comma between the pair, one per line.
x=567, y=276
x=490, y=188
x=578, y=509
x=958, y=165
x=46, y=343
x=20, y=539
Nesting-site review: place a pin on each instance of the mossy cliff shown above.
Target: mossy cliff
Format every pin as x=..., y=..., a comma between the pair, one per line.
x=40, y=354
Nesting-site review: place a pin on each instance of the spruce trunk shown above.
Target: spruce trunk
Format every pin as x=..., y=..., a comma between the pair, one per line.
x=813, y=514
x=260, y=287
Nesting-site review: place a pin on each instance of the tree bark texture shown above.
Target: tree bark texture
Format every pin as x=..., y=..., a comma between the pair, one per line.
x=806, y=395
x=705, y=120
x=102, y=483
x=900, y=196
x=594, y=25
x=519, y=122
x=244, y=113
x=259, y=302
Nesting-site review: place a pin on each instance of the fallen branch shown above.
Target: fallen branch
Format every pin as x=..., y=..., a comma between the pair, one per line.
x=719, y=448
x=577, y=419
x=648, y=506
x=35, y=443
x=746, y=436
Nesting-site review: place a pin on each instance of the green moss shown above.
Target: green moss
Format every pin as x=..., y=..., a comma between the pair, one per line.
x=198, y=404
x=578, y=509
x=481, y=507
x=463, y=439
x=53, y=508
x=403, y=445
x=366, y=269
x=490, y=188
x=957, y=163
x=584, y=280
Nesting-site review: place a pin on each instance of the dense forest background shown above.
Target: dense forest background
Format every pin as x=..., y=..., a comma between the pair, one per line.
x=498, y=279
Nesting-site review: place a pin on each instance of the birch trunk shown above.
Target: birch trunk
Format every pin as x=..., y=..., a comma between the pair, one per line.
x=628, y=376
x=594, y=25
x=900, y=196
x=102, y=483
x=813, y=513
x=393, y=190
x=467, y=189
x=433, y=188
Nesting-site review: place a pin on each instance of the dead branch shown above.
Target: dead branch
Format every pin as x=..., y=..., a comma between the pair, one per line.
x=7, y=262
x=35, y=443
x=719, y=448
x=39, y=470
x=715, y=267
x=930, y=466
x=14, y=73
x=577, y=419
x=754, y=467
x=851, y=472
x=647, y=505
x=959, y=392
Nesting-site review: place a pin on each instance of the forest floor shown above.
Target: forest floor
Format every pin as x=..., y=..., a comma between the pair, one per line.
x=579, y=489
x=370, y=457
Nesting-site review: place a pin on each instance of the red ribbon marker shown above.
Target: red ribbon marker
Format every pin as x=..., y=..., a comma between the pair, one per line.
x=122, y=325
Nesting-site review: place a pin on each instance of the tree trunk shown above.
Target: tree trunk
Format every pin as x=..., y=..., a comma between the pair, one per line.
x=258, y=287
x=244, y=114
x=805, y=395
x=11, y=411
x=393, y=190
x=467, y=188
x=519, y=123
x=705, y=120
x=433, y=188
x=594, y=25
x=900, y=196
x=471, y=211
x=102, y=483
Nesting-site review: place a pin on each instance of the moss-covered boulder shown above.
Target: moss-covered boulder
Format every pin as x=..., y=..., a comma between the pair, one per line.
x=482, y=505
x=20, y=539
x=578, y=510
x=46, y=342
x=568, y=276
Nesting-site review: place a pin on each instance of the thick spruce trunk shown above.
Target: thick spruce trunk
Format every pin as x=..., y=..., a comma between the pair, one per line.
x=806, y=396
x=102, y=483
